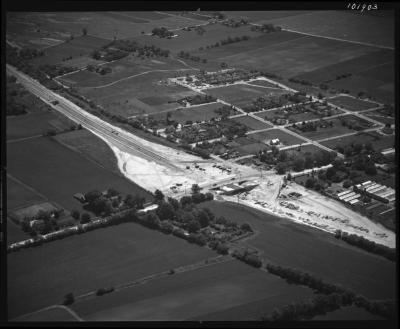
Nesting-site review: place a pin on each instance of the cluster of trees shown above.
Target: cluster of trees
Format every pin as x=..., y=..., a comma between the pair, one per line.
x=109, y=54
x=227, y=41
x=99, y=69
x=15, y=91
x=187, y=55
x=262, y=103
x=226, y=77
x=245, y=256
x=307, y=309
x=29, y=53
x=56, y=70
x=354, y=123
x=363, y=243
x=198, y=99
x=162, y=32
x=302, y=278
x=83, y=218
x=266, y=28
x=103, y=204
x=235, y=23
x=342, y=296
x=130, y=46
x=300, y=81
x=43, y=222
x=285, y=159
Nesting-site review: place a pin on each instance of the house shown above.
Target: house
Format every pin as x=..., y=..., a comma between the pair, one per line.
x=80, y=197
x=275, y=141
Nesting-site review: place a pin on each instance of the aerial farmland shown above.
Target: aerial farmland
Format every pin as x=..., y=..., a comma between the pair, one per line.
x=200, y=165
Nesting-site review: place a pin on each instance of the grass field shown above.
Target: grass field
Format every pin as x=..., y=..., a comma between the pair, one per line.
x=378, y=141
x=35, y=124
x=352, y=104
x=251, y=123
x=251, y=148
x=90, y=261
x=59, y=172
x=263, y=83
x=200, y=113
x=269, y=115
x=337, y=129
x=140, y=95
x=376, y=115
x=314, y=251
x=284, y=138
x=91, y=147
x=121, y=69
x=241, y=94
x=229, y=288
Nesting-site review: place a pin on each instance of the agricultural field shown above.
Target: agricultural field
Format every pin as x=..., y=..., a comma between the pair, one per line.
x=122, y=69
x=56, y=313
x=284, y=137
x=372, y=73
x=241, y=95
x=230, y=288
x=78, y=48
x=191, y=41
x=381, y=116
x=336, y=129
x=349, y=313
x=19, y=195
x=378, y=141
x=61, y=172
x=251, y=123
x=344, y=24
x=96, y=259
x=45, y=29
x=351, y=104
x=257, y=16
x=294, y=245
x=14, y=232
x=289, y=54
x=146, y=94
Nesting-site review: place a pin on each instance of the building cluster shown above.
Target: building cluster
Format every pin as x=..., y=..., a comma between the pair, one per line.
x=371, y=189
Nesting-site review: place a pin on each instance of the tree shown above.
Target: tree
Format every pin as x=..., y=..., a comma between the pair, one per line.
x=85, y=218
x=75, y=214
x=310, y=182
x=281, y=168
x=165, y=211
x=299, y=164
x=69, y=299
x=195, y=188
x=158, y=196
x=84, y=31
x=152, y=220
x=92, y=195
x=346, y=183
x=246, y=227
x=370, y=169
x=203, y=218
x=193, y=226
